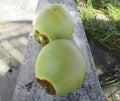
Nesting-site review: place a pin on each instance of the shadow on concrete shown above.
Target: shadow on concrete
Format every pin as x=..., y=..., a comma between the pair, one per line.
x=13, y=40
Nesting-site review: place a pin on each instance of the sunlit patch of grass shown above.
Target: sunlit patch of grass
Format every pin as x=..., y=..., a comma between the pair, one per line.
x=113, y=12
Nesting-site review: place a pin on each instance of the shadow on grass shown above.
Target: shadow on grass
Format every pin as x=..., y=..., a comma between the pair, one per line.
x=107, y=33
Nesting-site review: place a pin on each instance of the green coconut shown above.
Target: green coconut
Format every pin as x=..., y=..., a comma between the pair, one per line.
x=53, y=22
x=60, y=67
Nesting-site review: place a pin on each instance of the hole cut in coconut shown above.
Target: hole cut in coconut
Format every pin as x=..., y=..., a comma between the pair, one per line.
x=47, y=86
x=41, y=38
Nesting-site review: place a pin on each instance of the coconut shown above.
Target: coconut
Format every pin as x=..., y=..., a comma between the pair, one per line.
x=61, y=67
x=52, y=22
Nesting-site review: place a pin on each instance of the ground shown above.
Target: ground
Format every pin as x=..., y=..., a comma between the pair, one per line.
x=15, y=25
x=13, y=40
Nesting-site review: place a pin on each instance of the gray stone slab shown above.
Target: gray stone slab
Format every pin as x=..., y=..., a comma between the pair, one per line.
x=27, y=88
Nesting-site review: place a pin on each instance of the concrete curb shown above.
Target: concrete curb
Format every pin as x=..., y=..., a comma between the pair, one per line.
x=27, y=89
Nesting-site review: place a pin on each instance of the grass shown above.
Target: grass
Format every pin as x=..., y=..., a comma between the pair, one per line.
x=106, y=30
x=111, y=78
x=101, y=21
x=106, y=78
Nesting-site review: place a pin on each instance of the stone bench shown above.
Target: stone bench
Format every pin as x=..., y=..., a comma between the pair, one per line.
x=27, y=88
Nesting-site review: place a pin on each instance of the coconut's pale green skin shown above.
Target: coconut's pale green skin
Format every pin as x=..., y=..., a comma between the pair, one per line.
x=53, y=22
x=61, y=67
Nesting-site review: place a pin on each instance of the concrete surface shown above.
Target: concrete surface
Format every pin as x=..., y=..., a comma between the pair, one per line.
x=15, y=25
x=14, y=10
x=27, y=89
x=13, y=40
